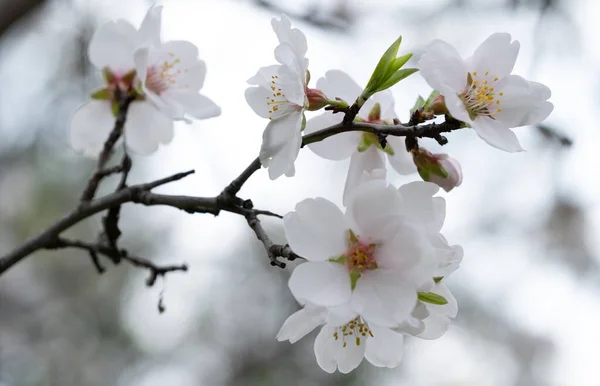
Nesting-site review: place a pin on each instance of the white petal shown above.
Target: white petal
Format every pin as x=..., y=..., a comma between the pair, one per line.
x=385, y=348
x=146, y=128
x=195, y=105
x=338, y=84
x=316, y=230
x=331, y=353
x=112, y=46
x=369, y=203
x=281, y=144
x=340, y=315
x=523, y=102
x=401, y=161
x=442, y=67
x=361, y=162
x=386, y=103
x=383, y=298
x=440, y=316
x=496, y=55
x=292, y=36
x=90, y=126
x=455, y=106
x=420, y=204
x=336, y=147
x=324, y=284
x=149, y=33
x=186, y=52
x=496, y=134
x=299, y=324
x=263, y=75
x=409, y=250
x=257, y=100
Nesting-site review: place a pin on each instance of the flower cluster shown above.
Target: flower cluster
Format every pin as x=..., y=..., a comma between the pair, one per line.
x=163, y=80
x=375, y=270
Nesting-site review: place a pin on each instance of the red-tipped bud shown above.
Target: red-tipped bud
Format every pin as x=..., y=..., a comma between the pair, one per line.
x=438, y=168
x=316, y=99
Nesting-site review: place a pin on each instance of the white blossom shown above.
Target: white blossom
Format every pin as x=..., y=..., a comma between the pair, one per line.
x=345, y=338
x=375, y=257
x=280, y=94
x=481, y=91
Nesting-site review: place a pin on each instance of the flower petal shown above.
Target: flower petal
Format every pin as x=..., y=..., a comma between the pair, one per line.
x=442, y=67
x=409, y=251
x=386, y=102
x=292, y=36
x=316, y=230
x=401, y=161
x=455, y=106
x=281, y=144
x=338, y=84
x=496, y=55
x=321, y=283
x=149, y=33
x=146, y=128
x=369, y=204
x=193, y=104
x=361, y=162
x=385, y=348
x=420, y=204
x=496, y=134
x=440, y=316
x=337, y=147
x=301, y=323
x=90, y=126
x=383, y=298
x=523, y=102
x=112, y=46
x=331, y=353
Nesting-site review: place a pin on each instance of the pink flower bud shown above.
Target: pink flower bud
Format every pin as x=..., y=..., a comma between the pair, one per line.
x=438, y=168
x=316, y=99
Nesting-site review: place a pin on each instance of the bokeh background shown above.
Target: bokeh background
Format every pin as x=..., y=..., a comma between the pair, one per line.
x=528, y=288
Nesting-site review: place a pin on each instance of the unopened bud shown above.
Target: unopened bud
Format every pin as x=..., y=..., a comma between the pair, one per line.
x=438, y=106
x=438, y=168
x=316, y=99
x=375, y=113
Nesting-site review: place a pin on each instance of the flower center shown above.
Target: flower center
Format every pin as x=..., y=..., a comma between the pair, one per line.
x=360, y=255
x=480, y=97
x=160, y=77
x=353, y=330
x=278, y=100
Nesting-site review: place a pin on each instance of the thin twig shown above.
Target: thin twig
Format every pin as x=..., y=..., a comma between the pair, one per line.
x=95, y=249
x=92, y=186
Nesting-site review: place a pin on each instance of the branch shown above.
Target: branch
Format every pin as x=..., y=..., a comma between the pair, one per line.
x=98, y=249
x=107, y=150
x=273, y=250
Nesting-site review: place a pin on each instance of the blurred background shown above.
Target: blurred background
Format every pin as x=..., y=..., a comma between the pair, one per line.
x=528, y=289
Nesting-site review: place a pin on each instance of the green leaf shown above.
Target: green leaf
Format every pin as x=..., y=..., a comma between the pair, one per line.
x=354, y=276
x=434, y=94
x=303, y=125
x=438, y=279
x=102, y=95
x=397, y=77
x=432, y=298
x=382, y=67
x=398, y=63
x=420, y=102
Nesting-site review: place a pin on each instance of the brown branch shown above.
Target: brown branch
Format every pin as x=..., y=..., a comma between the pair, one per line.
x=226, y=201
x=107, y=151
x=99, y=249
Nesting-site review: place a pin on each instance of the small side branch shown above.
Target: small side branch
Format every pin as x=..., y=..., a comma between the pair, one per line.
x=99, y=249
